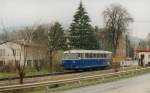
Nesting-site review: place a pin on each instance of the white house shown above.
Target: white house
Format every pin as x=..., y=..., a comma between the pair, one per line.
x=12, y=51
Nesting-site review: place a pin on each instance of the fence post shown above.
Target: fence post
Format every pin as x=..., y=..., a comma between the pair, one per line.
x=103, y=78
x=79, y=82
x=47, y=89
x=9, y=80
x=133, y=72
x=119, y=75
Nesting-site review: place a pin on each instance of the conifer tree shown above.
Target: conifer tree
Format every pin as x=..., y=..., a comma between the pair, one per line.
x=82, y=35
x=56, y=41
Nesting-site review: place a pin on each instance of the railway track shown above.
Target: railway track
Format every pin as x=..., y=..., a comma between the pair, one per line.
x=40, y=75
x=43, y=75
x=70, y=80
x=52, y=76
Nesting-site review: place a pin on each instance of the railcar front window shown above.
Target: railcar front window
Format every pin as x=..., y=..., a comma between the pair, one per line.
x=70, y=56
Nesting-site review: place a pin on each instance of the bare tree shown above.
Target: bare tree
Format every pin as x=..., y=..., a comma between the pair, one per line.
x=27, y=37
x=37, y=36
x=103, y=35
x=23, y=38
x=20, y=56
x=142, y=44
x=26, y=33
x=40, y=56
x=40, y=37
x=5, y=32
x=117, y=20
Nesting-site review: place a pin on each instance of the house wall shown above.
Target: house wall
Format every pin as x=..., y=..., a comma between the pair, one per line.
x=33, y=53
x=6, y=52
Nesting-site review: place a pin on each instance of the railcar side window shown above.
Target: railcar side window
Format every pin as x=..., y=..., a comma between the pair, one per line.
x=90, y=55
x=80, y=55
x=94, y=55
x=104, y=55
x=101, y=56
x=98, y=55
x=86, y=55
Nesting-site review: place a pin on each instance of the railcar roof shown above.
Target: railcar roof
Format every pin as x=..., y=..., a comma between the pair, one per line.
x=87, y=51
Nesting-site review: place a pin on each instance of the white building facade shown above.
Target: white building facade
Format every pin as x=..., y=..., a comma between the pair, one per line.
x=11, y=52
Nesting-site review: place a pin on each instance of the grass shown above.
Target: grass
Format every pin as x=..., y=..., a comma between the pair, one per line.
x=7, y=74
x=34, y=72
x=28, y=73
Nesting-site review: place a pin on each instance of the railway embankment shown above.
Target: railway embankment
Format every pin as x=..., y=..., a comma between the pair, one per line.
x=74, y=82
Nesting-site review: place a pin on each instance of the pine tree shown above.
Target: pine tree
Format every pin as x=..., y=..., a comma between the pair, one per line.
x=56, y=38
x=82, y=34
x=56, y=41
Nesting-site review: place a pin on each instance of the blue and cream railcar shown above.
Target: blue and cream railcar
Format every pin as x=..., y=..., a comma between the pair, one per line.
x=86, y=59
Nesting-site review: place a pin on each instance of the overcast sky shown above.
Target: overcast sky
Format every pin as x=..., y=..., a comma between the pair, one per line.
x=15, y=13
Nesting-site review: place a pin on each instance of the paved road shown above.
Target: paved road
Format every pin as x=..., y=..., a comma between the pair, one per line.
x=139, y=84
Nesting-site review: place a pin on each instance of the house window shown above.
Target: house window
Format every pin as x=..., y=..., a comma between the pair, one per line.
x=16, y=52
x=1, y=63
x=29, y=62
